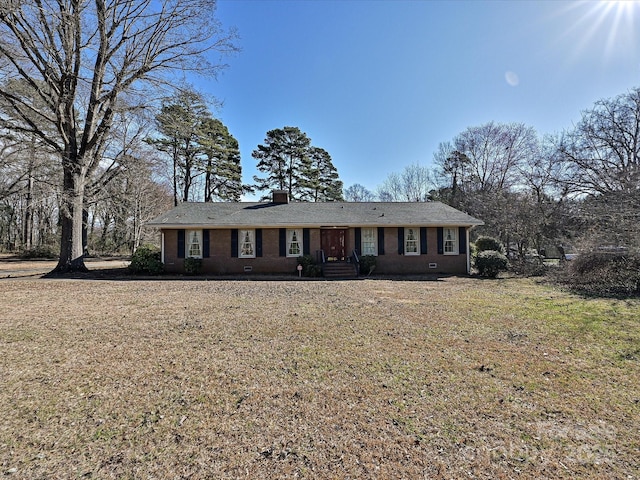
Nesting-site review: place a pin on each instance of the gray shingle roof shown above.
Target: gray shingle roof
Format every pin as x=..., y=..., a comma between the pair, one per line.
x=329, y=214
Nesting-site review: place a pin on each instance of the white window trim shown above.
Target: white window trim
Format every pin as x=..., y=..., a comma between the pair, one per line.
x=252, y=240
x=189, y=234
x=374, y=236
x=300, y=239
x=454, y=241
x=416, y=232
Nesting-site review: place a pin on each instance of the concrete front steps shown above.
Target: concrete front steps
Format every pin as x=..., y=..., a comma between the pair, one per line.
x=339, y=270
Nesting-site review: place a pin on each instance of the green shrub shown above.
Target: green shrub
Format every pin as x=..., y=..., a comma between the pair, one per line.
x=368, y=264
x=488, y=243
x=603, y=274
x=146, y=260
x=490, y=263
x=192, y=266
x=309, y=266
x=473, y=251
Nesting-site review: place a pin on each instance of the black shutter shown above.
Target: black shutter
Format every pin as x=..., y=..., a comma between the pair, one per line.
x=283, y=242
x=440, y=240
x=181, y=235
x=205, y=243
x=380, y=240
x=306, y=241
x=358, y=233
x=400, y=240
x=234, y=243
x=423, y=240
x=462, y=240
x=258, y=242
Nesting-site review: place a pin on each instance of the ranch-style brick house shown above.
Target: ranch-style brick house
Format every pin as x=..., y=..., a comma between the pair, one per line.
x=242, y=237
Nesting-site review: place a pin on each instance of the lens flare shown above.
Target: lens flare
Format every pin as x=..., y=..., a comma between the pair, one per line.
x=608, y=23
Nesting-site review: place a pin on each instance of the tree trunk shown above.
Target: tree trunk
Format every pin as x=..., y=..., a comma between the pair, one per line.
x=175, y=173
x=207, y=181
x=28, y=214
x=85, y=230
x=71, y=213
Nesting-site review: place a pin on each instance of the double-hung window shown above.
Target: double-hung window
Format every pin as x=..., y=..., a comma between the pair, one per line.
x=411, y=241
x=369, y=243
x=194, y=243
x=450, y=236
x=246, y=243
x=294, y=242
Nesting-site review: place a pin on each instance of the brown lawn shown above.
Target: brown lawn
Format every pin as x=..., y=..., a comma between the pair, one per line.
x=376, y=378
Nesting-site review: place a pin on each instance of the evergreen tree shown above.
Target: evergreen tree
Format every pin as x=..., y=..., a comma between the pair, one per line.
x=282, y=157
x=200, y=146
x=320, y=178
x=292, y=164
x=179, y=123
x=222, y=170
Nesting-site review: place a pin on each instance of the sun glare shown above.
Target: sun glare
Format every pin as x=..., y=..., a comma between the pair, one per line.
x=608, y=21
x=620, y=15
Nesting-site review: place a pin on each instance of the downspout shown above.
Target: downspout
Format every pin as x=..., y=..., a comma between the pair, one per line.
x=468, y=251
x=162, y=248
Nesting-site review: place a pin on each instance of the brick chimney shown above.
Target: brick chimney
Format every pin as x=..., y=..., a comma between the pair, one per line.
x=280, y=196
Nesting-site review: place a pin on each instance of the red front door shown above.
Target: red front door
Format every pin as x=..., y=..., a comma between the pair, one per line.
x=333, y=245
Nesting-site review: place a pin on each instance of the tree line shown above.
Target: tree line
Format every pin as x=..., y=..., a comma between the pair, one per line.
x=182, y=153
x=99, y=134
x=576, y=189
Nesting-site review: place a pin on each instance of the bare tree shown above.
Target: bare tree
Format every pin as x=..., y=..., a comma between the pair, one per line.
x=117, y=217
x=82, y=59
x=26, y=192
x=487, y=158
x=358, y=193
x=602, y=152
x=413, y=184
x=602, y=158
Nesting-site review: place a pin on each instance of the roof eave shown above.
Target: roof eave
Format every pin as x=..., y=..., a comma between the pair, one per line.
x=171, y=226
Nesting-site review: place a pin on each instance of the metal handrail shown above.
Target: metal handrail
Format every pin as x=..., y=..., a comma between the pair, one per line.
x=320, y=256
x=356, y=261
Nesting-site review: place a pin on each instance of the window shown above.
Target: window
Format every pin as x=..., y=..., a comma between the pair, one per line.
x=246, y=244
x=194, y=243
x=411, y=241
x=369, y=244
x=294, y=243
x=450, y=241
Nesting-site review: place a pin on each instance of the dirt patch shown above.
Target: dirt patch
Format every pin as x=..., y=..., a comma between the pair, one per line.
x=223, y=378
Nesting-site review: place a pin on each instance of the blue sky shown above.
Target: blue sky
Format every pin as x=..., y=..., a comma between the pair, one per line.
x=379, y=84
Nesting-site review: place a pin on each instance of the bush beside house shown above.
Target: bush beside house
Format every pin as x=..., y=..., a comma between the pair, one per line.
x=489, y=258
x=147, y=261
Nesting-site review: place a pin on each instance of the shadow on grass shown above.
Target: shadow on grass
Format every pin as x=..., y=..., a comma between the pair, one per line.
x=123, y=274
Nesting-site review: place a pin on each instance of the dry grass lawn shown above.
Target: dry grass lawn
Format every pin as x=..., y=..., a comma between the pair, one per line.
x=377, y=378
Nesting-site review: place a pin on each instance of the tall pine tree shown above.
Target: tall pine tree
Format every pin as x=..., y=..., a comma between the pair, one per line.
x=199, y=146
x=282, y=157
x=222, y=170
x=320, y=178
x=292, y=164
